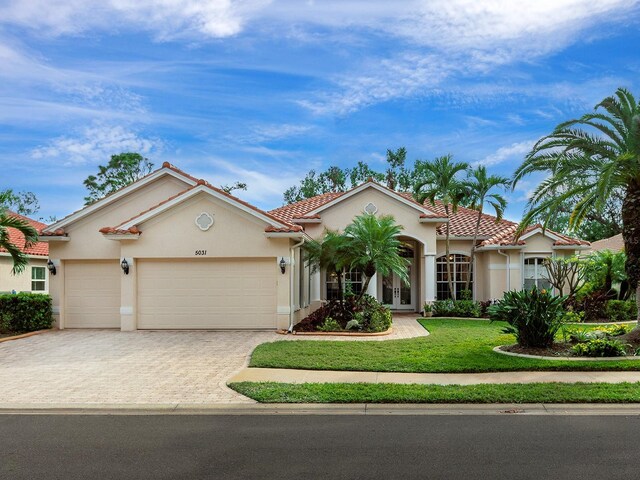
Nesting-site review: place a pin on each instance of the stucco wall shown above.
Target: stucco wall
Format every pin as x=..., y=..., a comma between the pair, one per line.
x=21, y=282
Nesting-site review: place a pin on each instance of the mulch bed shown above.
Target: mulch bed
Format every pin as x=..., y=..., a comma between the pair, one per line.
x=556, y=350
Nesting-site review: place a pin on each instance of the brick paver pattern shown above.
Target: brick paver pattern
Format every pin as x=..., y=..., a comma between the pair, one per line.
x=110, y=367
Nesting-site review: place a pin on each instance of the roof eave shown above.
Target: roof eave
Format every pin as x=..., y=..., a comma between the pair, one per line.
x=53, y=238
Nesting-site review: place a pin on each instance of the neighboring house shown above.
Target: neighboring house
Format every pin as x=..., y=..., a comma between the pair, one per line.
x=613, y=244
x=171, y=251
x=35, y=277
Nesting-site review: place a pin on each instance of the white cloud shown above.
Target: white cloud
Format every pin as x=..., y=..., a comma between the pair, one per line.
x=96, y=143
x=165, y=18
x=515, y=151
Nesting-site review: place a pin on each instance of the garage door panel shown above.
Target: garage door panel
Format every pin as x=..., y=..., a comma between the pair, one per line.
x=207, y=293
x=92, y=294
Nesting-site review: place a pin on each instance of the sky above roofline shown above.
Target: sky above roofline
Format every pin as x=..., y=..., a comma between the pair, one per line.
x=262, y=91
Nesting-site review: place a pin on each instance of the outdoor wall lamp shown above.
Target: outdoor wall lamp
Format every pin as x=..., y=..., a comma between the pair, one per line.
x=51, y=267
x=283, y=264
x=125, y=266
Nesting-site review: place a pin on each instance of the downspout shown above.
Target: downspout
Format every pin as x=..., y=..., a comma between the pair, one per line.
x=500, y=252
x=291, y=291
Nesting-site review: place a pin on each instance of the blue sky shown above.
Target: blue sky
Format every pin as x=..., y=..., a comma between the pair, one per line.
x=262, y=91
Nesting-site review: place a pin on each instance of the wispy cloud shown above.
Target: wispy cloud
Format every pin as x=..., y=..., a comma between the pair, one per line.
x=515, y=152
x=96, y=143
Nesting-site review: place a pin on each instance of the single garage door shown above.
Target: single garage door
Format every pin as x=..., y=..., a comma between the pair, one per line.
x=92, y=294
x=207, y=293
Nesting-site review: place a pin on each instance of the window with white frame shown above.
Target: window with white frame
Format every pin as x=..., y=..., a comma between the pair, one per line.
x=38, y=279
x=460, y=271
x=535, y=274
x=352, y=282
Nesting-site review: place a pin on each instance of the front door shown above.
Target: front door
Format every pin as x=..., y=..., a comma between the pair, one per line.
x=396, y=294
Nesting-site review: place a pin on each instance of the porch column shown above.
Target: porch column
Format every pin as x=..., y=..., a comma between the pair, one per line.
x=429, y=277
x=372, y=289
x=315, y=286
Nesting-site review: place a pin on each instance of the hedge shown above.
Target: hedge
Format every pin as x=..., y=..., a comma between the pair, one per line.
x=25, y=312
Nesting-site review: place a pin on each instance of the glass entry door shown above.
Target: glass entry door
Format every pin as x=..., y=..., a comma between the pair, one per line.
x=396, y=294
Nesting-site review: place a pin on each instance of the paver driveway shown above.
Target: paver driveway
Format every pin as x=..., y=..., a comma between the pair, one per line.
x=110, y=367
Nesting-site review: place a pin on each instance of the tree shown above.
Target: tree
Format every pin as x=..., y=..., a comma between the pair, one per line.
x=442, y=183
x=362, y=173
x=480, y=187
x=331, y=180
x=603, y=269
x=233, y=186
x=122, y=170
x=565, y=272
x=24, y=203
x=328, y=254
x=372, y=245
x=20, y=259
x=395, y=168
x=586, y=159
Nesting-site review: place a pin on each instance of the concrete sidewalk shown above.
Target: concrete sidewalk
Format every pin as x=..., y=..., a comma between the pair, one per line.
x=282, y=375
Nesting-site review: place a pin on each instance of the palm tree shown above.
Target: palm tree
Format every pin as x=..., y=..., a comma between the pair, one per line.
x=587, y=166
x=20, y=260
x=328, y=254
x=373, y=247
x=442, y=184
x=480, y=186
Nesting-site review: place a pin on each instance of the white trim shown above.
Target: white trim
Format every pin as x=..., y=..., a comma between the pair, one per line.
x=535, y=231
x=375, y=186
x=294, y=235
x=187, y=195
x=283, y=310
x=206, y=215
x=53, y=238
x=121, y=236
x=434, y=220
x=462, y=237
x=501, y=266
x=126, y=310
x=55, y=309
x=117, y=195
x=35, y=257
x=500, y=247
x=571, y=247
x=306, y=220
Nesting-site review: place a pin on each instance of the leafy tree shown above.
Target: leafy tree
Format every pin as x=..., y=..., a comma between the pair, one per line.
x=372, y=245
x=586, y=159
x=395, y=168
x=362, y=172
x=566, y=272
x=122, y=170
x=442, y=183
x=233, y=186
x=603, y=269
x=24, y=203
x=328, y=254
x=480, y=187
x=20, y=259
x=332, y=180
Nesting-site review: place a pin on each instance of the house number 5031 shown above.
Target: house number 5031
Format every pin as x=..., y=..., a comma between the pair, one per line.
x=201, y=252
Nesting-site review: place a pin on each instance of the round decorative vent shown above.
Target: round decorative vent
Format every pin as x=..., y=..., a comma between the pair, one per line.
x=370, y=208
x=204, y=221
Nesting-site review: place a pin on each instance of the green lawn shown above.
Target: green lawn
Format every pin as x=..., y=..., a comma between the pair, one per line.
x=393, y=393
x=453, y=346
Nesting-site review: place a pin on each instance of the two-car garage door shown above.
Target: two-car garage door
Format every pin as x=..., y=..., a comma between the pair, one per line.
x=206, y=294
x=175, y=294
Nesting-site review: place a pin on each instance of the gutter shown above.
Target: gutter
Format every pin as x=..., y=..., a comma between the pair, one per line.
x=500, y=252
x=291, y=265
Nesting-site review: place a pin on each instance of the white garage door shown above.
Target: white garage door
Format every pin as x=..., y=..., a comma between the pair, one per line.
x=92, y=294
x=207, y=293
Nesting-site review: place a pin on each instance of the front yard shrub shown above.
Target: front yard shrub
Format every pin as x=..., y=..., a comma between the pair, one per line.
x=600, y=347
x=457, y=308
x=573, y=317
x=330, y=325
x=380, y=320
x=593, y=305
x=443, y=308
x=621, y=310
x=534, y=316
x=25, y=312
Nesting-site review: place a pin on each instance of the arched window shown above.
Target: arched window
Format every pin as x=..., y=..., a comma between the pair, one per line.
x=535, y=274
x=460, y=271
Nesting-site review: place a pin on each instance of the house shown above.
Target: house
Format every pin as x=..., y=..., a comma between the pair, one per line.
x=35, y=278
x=613, y=244
x=171, y=251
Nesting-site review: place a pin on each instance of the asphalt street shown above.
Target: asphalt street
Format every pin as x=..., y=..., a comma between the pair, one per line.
x=298, y=447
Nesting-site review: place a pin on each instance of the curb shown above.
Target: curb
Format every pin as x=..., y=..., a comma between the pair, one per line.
x=337, y=334
x=570, y=359
x=23, y=335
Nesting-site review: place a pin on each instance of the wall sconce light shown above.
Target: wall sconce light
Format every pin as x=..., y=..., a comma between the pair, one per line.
x=125, y=266
x=51, y=267
x=283, y=264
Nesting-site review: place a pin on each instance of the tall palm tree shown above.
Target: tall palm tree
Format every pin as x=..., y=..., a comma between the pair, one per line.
x=20, y=260
x=480, y=192
x=328, y=254
x=442, y=183
x=587, y=159
x=373, y=247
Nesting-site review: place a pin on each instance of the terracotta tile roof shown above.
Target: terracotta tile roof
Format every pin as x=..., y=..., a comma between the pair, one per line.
x=17, y=238
x=614, y=244
x=301, y=208
x=286, y=226
x=507, y=238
